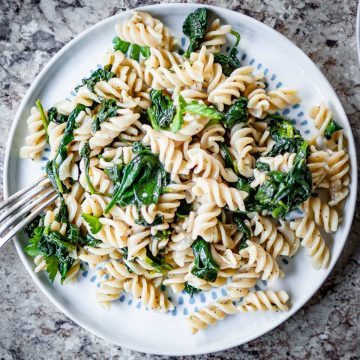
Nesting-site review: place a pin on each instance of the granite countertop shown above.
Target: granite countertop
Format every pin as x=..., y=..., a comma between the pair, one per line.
x=31, y=32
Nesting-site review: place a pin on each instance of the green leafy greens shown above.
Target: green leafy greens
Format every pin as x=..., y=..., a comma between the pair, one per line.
x=56, y=117
x=94, y=223
x=55, y=247
x=133, y=50
x=144, y=179
x=104, y=74
x=44, y=119
x=287, y=138
x=332, y=127
x=195, y=27
x=162, y=110
x=229, y=62
x=282, y=193
x=85, y=156
x=108, y=108
x=205, y=266
x=191, y=290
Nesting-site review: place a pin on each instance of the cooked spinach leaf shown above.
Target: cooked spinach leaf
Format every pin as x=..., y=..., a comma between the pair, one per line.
x=52, y=166
x=94, y=223
x=237, y=113
x=121, y=45
x=115, y=173
x=158, y=220
x=62, y=216
x=228, y=160
x=56, y=117
x=282, y=193
x=262, y=166
x=197, y=108
x=133, y=50
x=191, y=290
x=195, y=27
x=162, y=110
x=332, y=127
x=108, y=108
x=229, y=62
x=85, y=156
x=183, y=209
x=205, y=266
x=144, y=180
x=287, y=138
x=158, y=263
x=44, y=119
x=98, y=75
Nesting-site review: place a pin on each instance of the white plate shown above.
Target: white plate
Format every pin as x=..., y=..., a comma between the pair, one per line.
x=127, y=325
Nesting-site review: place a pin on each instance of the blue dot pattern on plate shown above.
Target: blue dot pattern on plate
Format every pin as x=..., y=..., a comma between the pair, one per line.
x=184, y=304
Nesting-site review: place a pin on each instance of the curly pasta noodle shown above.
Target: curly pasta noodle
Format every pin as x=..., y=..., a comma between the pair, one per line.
x=241, y=143
x=216, y=36
x=262, y=260
x=322, y=214
x=220, y=193
x=177, y=76
x=211, y=136
x=264, y=301
x=212, y=71
x=258, y=103
x=306, y=229
x=94, y=256
x=231, y=87
x=36, y=140
x=281, y=163
x=338, y=177
x=241, y=282
x=163, y=58
x=143, y=290
x=321, y=116
x=281, y=98
x=268, y=236
x=144, y=30
x=317, y=163
x=211, y=314
x=206, y=166
x=193, y=124
x=205, y=221
x=111, y=129
x=171, y=157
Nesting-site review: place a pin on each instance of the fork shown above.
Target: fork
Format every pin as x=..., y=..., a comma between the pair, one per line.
x=22, y=207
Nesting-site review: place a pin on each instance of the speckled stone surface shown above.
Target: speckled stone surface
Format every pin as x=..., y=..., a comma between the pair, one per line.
x=31, y=32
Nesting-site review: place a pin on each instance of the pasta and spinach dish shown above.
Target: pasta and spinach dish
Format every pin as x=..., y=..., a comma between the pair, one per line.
x=176, y=172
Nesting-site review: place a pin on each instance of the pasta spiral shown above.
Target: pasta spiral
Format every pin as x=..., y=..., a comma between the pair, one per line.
x=204, y=165
x=36, y=140
x=262, y=260
x=306, y=229
x=231, y=87
x=264, y=301
x=219, y=193
x=171, y=157
x=211, y=314
x=144, y=30
x=143, y=290
x=322, y=214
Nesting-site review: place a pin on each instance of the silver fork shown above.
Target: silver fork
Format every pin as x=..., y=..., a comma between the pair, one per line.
x=22, y=207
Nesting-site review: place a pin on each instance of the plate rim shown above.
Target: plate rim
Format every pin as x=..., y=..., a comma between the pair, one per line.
x=351, y=200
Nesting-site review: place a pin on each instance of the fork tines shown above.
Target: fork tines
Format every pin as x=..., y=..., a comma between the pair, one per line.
x=22, y=207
